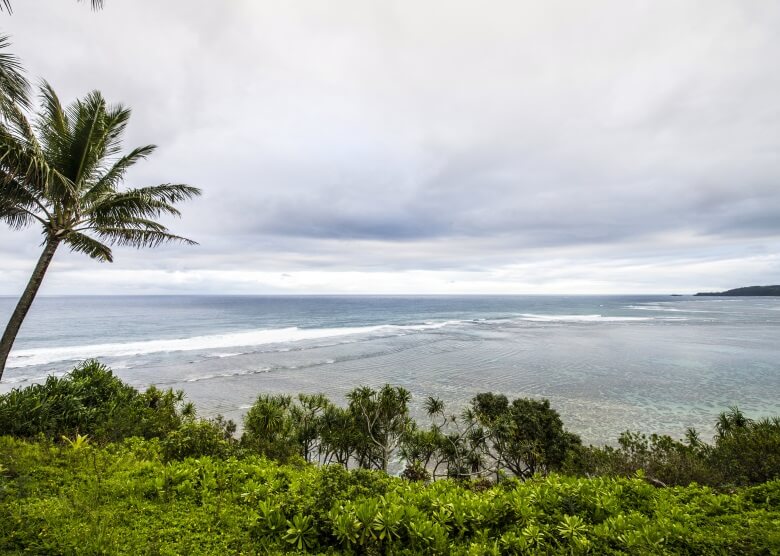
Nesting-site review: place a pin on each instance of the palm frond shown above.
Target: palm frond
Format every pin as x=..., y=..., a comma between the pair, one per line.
x=18, y=206
x=53, y=127
x=111, y=179
x=168, y=192
x=84, y=117
x=142, y=202
x=22, y=163
x=91, y=247
x=130, y=237
x=130, y=224
x=15, y=218
x=123, y=206
x=116, y=118
x=87, y=149
x=14, y=87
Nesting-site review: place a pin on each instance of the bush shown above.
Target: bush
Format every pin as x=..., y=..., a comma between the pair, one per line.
x=126, y=499
x=663, y=460
x=90, y=400
x=746, y=452
x=198, y=438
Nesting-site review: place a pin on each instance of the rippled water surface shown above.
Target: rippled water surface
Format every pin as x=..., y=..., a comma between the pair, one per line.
x=658, y=364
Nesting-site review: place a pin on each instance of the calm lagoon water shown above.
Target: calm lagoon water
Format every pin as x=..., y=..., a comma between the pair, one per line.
x=650, y=363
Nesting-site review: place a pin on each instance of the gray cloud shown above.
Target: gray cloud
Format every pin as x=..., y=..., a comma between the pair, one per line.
x=435, y=138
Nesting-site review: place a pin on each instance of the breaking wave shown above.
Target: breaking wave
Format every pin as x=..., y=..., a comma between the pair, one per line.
x=43, y=356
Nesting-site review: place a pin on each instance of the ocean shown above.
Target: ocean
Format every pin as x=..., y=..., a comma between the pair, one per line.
x=607, y=363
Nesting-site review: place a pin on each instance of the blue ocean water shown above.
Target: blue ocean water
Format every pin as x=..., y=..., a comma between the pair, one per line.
x=607, y=363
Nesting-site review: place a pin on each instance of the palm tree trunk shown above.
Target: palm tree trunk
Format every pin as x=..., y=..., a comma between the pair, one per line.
x=17, y=317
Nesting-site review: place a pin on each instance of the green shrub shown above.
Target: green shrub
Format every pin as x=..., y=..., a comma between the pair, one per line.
x=197, y=438
x=127, y=498
x=663, y=460
x=746, y=452
x=90, y=400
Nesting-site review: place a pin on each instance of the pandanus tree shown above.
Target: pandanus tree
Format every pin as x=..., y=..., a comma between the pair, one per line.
x=63, y=171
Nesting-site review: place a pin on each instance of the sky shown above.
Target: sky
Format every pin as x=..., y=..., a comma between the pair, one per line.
x=436, y=147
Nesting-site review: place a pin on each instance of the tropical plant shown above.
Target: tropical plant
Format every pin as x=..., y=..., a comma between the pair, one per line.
x=269, y=428
x=307, y=415
x=63, y=171
x=382, y=417
x=527, y=435
x=339, y=437
x=90, y=400
x=746, y=451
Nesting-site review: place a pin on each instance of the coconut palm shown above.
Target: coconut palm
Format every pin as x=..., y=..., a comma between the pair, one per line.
x=63, y=171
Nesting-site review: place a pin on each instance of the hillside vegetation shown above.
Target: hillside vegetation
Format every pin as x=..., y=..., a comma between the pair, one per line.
x=747, y=291
x=89, y=465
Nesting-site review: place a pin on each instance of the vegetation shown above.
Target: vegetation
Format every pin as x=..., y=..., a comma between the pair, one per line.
x=744, y=452
x=91, y=401
x=747, y=291
x=63, y=171
x=14, y=87
x=91, y=465
x=125, y=498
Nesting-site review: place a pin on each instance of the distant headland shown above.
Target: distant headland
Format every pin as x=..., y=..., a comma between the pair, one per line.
x=748, y=291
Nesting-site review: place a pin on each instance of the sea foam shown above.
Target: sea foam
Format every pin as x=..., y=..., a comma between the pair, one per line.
x=247, y=338
x=579, y=318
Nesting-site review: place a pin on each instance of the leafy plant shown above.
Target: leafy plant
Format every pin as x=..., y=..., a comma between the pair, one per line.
x=301, y=532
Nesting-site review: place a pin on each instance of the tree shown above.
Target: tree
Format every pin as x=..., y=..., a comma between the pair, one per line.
x=308, y=417
x=527, y=435
x=339, y=437
x=269, y=427
x=382, y=417
x=63, y=171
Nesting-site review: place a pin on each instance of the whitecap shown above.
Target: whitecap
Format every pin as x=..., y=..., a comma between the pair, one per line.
x=41, y=356
x=579, y=318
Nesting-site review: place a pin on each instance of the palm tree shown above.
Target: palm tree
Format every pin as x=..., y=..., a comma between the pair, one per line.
x=63, y=171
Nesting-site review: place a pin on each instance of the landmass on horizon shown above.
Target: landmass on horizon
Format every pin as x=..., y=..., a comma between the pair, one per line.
x=746, y=291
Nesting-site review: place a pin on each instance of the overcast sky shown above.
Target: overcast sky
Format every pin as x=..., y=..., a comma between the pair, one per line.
x=430, y=146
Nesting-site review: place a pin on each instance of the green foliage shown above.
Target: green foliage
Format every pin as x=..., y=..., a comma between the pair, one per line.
x=127, y=499
x=527, y=435
x=98, y=467
x=663, y=460
x=744, y=452
x=381, y=419
x=269, y=428
x=197, y=438
x=90, y=400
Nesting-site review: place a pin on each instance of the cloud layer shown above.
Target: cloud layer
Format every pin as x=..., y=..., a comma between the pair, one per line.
x=400, y=147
